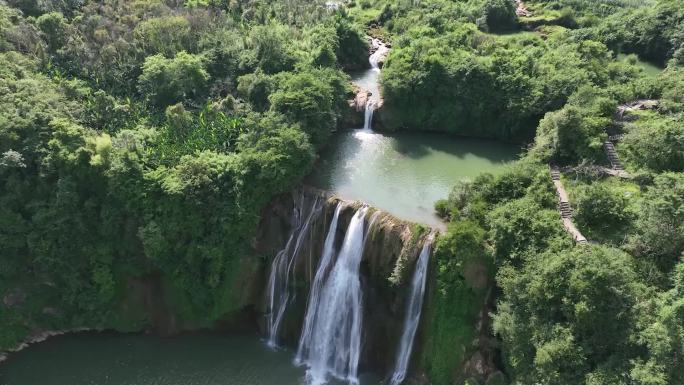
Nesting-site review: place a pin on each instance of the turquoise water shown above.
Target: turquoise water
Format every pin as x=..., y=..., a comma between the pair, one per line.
x=133, y=359
x=405, y=173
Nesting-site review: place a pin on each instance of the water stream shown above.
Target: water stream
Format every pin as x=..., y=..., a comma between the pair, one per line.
x=413, y=311
x=334, y=346
x=324, y=264
x=279, y=290
x=401, y=173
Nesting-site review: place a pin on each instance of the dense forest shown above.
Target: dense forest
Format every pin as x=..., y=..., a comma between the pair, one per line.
x=145, y=137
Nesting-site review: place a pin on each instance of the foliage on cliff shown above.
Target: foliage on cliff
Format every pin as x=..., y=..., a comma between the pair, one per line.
x=602, y=313
x=135, y=141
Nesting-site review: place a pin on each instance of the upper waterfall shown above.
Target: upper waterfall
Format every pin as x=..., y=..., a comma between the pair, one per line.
x=413, y=311
x=368, y=115
x=380, y=50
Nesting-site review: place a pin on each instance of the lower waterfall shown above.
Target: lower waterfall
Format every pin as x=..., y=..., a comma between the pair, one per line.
x=278, y=290
x=413, y=310
x=368, y=115
x=315, y=291
x=331, y=338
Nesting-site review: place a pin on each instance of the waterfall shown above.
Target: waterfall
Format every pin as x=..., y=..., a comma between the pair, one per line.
x=279, y=294
x=368, y=116
x=334, y=345
x=413, y=310
x=314, y=292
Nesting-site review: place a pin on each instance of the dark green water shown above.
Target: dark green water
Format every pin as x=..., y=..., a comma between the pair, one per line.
x=405, y=173
x=650, y=69
x=127, y=359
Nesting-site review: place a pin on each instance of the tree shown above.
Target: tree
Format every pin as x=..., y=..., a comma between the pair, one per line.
x=521, y=228
x=272, y=52
x=601, y=208
x=660, y=225
x=54, y=27
x=499, y=15
x=164, y=35
x=570, y=317
x=307, y=99
x=656, y=144
x=167, y=81
x=663, y=336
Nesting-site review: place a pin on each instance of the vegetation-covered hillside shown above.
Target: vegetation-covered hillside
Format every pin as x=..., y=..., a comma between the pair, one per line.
x=143, y=139
x=606, y=312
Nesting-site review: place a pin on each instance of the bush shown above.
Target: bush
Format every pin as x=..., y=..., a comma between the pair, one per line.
x=168, y=81
x=656, y=144
x=601, y=208
x=499, y=14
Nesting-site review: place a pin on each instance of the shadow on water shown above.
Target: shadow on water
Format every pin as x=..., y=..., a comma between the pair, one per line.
x=417, y=145
x=405, y=173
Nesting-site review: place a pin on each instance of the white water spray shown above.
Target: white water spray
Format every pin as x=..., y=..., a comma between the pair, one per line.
x=335, y=341
x=413, y=310
x=315, y=291
x=368, y=115
x=279, y=293
x=379, y=54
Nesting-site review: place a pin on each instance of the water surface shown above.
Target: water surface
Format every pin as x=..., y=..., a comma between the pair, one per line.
x=130, y=359
x=650, y=69
x=405, y=173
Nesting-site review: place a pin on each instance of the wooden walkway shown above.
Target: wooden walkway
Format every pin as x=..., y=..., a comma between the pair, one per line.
x=564, y=207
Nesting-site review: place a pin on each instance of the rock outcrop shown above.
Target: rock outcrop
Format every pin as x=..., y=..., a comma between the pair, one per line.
x=390, y=253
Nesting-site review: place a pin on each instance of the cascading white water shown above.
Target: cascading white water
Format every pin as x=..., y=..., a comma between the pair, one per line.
x=315, y=291
x=368, y=115
x=380, y=52
x=334, y=345
x=279, y=293
x=413, y=310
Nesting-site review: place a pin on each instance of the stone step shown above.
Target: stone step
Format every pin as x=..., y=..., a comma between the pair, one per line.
x=612, y=155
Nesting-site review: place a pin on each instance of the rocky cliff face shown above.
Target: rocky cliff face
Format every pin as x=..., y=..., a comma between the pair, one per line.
x=391, y=250
x=392, y=247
